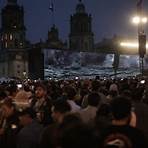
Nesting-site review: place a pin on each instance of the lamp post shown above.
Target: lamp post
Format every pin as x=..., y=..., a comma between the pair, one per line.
x=140, y=20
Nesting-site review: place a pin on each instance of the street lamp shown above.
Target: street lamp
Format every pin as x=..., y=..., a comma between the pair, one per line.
x=137, y=20
x=140, y=21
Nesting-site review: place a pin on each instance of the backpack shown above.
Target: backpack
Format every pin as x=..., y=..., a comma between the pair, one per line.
x=117, y=140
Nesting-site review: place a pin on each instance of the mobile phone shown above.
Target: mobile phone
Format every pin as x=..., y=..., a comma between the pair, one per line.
x=19, y=86
x=142, y=81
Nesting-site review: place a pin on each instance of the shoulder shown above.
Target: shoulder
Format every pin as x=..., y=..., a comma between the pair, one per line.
x=126, y=135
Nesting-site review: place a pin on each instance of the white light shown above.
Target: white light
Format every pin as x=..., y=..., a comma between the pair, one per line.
x=131, y=45
x=144, y=20
x=128, y=44
x=136, y=20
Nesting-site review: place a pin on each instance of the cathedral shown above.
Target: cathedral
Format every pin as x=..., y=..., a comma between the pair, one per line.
x=81, y=37
x=19, y=58
x=13, y=45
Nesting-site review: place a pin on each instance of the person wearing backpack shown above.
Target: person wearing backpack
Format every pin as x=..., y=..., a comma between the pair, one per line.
x=121, y=134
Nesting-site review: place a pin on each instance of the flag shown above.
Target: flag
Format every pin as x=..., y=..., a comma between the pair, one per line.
x=139, y=6
x=139, y=3
x=51, y=7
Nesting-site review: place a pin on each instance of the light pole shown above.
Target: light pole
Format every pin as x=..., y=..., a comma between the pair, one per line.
x=140, y=20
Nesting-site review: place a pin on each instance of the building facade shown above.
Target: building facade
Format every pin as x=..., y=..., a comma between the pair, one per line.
x=14, y=54
x=53, y=40
x=81, y=37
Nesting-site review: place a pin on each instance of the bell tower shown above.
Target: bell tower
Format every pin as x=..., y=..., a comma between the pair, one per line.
x=81, y=36
x=13, y=53
x=12, y=31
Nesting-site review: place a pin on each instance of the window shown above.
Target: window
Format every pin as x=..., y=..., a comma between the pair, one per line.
x=6, y=44
x=11, y=37
x=18, y=57
x=5, y=36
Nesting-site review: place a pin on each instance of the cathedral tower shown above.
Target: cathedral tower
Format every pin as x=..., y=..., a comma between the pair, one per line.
x=81, y=36
x=13, y=53
x=12, y=31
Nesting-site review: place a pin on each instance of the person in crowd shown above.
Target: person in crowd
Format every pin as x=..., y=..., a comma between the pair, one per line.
x=11, y=90
x=141, y=111
x=29, y=135
x=88, y=114
x=120, y=133
x=103, y=117
x=79, y=135
x=50, y=136
x=3, y=96
x=42, y=104
x=112, y=94
x=22, y=98
x=83, y=90
x=71, y=93
x=95, y=87
x=9, y=125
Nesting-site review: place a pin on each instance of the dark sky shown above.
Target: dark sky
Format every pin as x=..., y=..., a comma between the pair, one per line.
x=109, y=17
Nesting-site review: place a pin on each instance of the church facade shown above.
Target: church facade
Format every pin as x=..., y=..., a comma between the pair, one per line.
x=13, y=45
x=81, y=37
x=19, y=58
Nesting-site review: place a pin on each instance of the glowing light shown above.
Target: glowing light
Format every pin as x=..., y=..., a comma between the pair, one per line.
x=144, y=20
x=136, y=20
x=131, y=45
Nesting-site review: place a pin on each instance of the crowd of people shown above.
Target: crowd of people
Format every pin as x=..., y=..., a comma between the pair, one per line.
x=74, y=113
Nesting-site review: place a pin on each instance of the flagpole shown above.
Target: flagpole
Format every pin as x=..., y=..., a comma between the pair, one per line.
x=51, y=8
x=139, y=14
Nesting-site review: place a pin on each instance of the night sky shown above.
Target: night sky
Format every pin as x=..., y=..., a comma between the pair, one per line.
x=109, y=17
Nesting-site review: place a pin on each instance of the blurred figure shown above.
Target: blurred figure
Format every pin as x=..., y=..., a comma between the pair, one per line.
x=120, y=133
x=22, y=98
x=79, y=135
x=141, y=111
x=103, y=117
x=11, y=90
x=71, y=94
x=9, y=125
x=29, y=135
x=3, y=96
x=88, y=114
x=95, y=87
x=50, y=136
x=42, y=104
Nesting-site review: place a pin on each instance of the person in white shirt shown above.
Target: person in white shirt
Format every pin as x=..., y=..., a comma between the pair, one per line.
x=89, y=113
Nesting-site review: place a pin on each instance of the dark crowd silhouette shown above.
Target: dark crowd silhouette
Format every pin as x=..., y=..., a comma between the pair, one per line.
x=74, y=113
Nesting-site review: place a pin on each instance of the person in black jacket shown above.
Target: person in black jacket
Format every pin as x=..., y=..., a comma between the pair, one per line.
x=42, y=104
x=29, y=135
x=120, y=133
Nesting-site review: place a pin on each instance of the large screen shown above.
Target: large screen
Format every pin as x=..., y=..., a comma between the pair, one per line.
x=60, y=63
